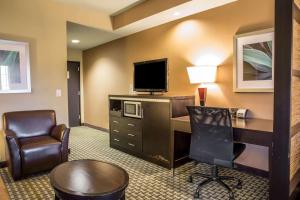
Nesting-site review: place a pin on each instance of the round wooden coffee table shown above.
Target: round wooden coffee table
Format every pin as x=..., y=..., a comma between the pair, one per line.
x=89, y=179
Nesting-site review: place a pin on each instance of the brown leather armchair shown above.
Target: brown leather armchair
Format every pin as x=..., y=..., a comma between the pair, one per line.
x=34, y=142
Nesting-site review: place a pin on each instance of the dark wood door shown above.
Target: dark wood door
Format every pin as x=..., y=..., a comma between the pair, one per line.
x=74, y=93
x=156, y=132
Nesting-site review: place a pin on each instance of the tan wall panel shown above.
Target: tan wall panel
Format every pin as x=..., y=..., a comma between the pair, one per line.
x=205, y=38
x=297, y=3
x=43, y=25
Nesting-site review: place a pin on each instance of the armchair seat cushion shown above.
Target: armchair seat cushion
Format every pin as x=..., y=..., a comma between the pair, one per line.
x=39, y=153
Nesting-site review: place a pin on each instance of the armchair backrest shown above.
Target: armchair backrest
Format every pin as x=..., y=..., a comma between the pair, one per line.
x=29, y=123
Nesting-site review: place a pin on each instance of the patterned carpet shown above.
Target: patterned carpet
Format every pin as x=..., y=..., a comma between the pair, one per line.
x=147, y=180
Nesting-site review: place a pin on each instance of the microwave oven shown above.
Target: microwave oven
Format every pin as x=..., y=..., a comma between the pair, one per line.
x=133, y=109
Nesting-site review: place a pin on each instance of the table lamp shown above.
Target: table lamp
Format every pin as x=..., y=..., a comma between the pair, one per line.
x=202, y=74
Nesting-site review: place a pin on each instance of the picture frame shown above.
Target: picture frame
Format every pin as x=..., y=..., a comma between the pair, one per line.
x=14, y=67
x=253, y=69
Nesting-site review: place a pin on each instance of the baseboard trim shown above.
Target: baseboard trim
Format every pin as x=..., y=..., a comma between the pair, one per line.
x=3, y=164
x=96, y=127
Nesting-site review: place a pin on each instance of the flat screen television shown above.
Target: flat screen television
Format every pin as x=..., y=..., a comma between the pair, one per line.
x=151, y=76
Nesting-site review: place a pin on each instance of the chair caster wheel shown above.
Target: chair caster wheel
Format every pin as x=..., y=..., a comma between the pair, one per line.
x=190, y=179
x=196, y=195
x=239, y=185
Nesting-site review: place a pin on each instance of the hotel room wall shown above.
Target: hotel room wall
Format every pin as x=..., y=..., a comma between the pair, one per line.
x=43, y=25
x=204, y=38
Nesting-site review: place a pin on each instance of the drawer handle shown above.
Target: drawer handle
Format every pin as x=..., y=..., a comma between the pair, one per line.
x=131, y=125
x=131, y=135
x=130, y=144
x=117, y=140
x=116, y=122
x=116, y=131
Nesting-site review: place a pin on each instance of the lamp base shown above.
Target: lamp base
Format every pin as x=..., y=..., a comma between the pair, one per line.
x=202, y=95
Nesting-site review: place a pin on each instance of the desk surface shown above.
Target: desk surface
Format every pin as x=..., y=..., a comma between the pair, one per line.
x=256, y=133
x=262, y=125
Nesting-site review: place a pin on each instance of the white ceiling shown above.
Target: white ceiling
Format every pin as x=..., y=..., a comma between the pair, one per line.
x=108, y=6
x=91, y=37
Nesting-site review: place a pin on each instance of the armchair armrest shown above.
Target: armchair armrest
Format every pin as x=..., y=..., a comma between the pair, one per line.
x=14, y=158
x=61, y=133
x=11, y=136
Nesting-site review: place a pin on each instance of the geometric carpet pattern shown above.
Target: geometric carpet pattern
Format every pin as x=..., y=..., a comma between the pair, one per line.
x=147, y=181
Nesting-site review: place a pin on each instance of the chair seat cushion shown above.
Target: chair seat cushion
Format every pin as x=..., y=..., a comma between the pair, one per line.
x=238, y=148
x=39, y=153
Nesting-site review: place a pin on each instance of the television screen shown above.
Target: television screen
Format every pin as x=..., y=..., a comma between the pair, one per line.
x=151, y=76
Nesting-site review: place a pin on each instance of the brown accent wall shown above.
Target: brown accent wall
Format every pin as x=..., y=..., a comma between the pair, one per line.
x=204, y=38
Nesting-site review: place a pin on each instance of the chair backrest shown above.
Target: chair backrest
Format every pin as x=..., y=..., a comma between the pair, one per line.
x=30, y=123
x=212, y=135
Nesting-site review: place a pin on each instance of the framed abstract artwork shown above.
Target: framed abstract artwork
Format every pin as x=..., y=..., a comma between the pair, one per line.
x=14, y=67
x=254, y=62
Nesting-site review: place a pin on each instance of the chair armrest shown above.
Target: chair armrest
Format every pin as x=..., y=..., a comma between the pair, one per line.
x=59, y=131
x=13, y=153
x=11, y=136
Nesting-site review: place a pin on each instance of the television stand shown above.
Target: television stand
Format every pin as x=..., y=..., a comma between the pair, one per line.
x=149, y=137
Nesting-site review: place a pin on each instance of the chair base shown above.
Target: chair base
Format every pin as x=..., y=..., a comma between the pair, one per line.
x=214, y=176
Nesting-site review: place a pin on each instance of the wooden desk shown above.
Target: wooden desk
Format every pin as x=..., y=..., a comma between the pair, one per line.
x=256, y=133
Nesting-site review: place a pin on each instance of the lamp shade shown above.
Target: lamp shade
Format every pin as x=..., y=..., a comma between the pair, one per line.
x=202, y=74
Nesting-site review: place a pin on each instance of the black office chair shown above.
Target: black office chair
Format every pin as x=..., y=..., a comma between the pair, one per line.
x=212, y=143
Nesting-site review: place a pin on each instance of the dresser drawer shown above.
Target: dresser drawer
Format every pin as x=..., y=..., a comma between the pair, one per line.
x=116, y=139
x=130, y=134
x=126, y=143
x=126, y=123
x=116, y=125
x=134, y=145
x=132, y=124
x=116, y=121
x=133, y=135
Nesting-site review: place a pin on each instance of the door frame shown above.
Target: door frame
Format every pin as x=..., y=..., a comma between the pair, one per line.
x=81, y=91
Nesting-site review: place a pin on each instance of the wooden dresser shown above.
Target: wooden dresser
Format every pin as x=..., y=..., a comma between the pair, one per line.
x=148, y=137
